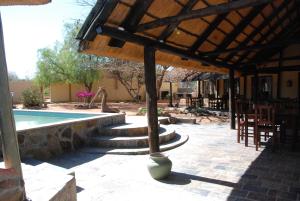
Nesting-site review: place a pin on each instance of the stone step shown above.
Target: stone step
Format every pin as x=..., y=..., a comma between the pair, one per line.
x=166, y=134
x=134, y=126
x=176, y=142
x=128, y=129
x=45, y=181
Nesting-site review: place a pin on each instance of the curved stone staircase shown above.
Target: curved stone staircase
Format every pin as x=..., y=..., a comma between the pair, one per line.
x=132, y=138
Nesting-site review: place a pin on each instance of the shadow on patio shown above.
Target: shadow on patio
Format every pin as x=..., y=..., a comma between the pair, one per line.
x=272, y=176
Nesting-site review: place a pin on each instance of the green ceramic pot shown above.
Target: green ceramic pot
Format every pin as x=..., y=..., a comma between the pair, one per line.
x=159, y=165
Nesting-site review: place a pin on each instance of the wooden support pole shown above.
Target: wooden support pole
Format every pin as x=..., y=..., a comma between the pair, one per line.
x=199, y=89
x=151, y=98
x=279, y=76
x=299, y=92
x=218, y=88
x=170, y=96
x=255, y=86
x=8, y=132
x=245, y=86
x=231, y=99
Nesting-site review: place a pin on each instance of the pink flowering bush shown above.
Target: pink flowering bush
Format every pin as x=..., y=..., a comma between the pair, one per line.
x=84, y=95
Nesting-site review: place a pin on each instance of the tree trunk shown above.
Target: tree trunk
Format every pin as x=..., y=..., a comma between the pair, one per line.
x=160, y=80
x=88, y=88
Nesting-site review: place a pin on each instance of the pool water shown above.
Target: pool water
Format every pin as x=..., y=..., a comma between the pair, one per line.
x=29, y=119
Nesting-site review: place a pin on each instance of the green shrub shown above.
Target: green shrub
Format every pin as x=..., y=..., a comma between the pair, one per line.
x=32, y=98
x=143, y=111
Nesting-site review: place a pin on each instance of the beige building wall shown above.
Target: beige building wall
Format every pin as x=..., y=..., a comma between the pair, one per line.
x=18, y=87
x=115, y=90
x=166, y=87
x=59, y=92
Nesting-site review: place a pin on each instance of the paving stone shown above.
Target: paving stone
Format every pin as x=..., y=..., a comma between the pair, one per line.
x=209, y=166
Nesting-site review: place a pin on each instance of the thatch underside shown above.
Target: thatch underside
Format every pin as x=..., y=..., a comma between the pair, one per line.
x=23, y=2
x=237, y=38
x=136, y=53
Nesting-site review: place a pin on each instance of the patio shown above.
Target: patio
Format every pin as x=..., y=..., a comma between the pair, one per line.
x=210, y=166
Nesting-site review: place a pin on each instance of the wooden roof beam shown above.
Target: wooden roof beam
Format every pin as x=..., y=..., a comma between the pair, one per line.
x=171, y=27
x=285, y=34
x=273, y=70
x=255, y=47
x=132, y=20
x=210, y=10
x=240, y=27
x=102, y=12
x=141, y=40
x=293, y=58
x=259, y=28
x=203, y=37
x=271, y=30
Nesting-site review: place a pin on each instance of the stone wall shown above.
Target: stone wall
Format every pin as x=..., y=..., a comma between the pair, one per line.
x=11, y=185
x=46, y=142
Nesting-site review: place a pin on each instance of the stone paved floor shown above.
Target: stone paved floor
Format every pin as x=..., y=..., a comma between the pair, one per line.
x=210, y=166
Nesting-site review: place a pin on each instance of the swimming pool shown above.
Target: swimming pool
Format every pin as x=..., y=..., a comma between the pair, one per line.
x=28, y=119
x=44, y=134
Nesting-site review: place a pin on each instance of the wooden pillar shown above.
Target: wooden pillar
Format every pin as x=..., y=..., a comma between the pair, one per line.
x=151, y=98
x=10, y=146
x=171, y=95
x=245, y=86
x=299, y=92
x=218, y=87
x=279, y=76
x=255, y=86
x=231, y=99
x=199, y=88
x=202, y=88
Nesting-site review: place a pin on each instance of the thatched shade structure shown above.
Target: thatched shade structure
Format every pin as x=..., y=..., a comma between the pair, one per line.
x=210, y=35
x=205, y=35
x=23, y=2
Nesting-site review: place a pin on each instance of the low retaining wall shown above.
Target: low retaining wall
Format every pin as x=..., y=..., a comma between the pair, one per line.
x=45, y=142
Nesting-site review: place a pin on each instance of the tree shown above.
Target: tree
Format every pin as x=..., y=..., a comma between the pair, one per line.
x=12, y=76
x=64, y=64
x=129, y=74
x=175, y=75
x=160, y=74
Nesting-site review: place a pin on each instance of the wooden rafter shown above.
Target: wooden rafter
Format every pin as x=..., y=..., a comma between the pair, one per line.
x=256, y=31
x=141, y=40
x=293, y=58
x=255, y=47
x=132, y=20
x=210, y=10
x=273, y=27
x=203, y=37
x=284, y=35
x=239, y=28
x=100, y=17
x=170, y=28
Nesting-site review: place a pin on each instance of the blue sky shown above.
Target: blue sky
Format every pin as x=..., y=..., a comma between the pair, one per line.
x=29, y=28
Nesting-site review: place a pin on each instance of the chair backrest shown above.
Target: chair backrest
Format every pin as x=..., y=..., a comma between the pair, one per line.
x=265, y=114
x=244, y=106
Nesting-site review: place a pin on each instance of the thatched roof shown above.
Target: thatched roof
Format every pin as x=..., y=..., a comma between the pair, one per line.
x=22, y=2
x=205, y=35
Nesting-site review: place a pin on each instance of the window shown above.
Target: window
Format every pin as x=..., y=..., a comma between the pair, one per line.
x=236, y=86
x=264, y=88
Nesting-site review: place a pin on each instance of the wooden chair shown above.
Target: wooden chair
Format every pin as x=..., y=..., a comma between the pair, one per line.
x=244, y=109
x=265, y=122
